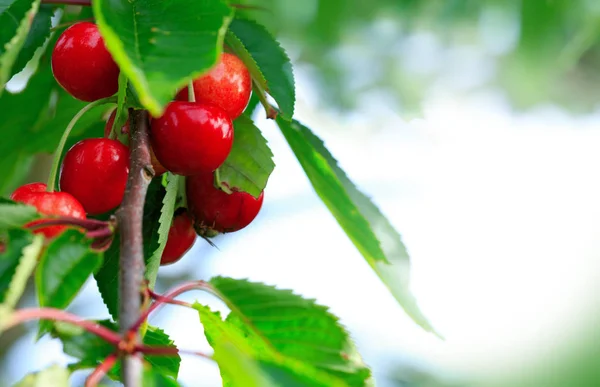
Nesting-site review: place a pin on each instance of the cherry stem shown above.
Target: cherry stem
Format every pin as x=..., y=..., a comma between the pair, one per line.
x=195, y=285
x=191, y=94
x=88, y=224
x=262, y=97
x=160, y=298
x=168, y=351
x=69, y=2
x=65, y=136
x=102, y=233
x=100, y=371
x=23, y=315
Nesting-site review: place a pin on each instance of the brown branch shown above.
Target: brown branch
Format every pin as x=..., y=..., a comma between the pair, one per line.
x=129, y=216
x=68, y=2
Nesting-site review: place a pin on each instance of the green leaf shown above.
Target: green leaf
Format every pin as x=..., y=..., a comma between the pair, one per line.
x=63, y=270
x=250, y=162
x=154, y=378
x=370, y=231
x=38, y=33
x=269, y=59
x=15, y=20
x=298, y=328
x=107, y=277
x=147, y=39
x=248, y=362
x=24, y=247
x=165, y=219
x=15, y=215
x=54, y=376
x=167, y=365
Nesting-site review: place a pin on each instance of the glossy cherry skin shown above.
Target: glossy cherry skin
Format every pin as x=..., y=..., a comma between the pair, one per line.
x=227, y=85
x=48, y=203
x=156, y=165
x=191, y=138
x=82, y=65
x=181, y=238
x=95, y=172
x=215, y=210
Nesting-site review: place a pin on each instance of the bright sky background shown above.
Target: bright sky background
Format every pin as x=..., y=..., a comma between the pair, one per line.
x=498, y=210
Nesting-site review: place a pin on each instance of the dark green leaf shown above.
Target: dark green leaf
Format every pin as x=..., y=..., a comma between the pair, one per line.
x=107, y=277
x=292, y=326
x=365, y=225
x=154, y=378
x=270, y=59
x=15, y=215
x=14, y=167
x=250, y=361
x=165, y=219
x=15, y=20
x=147, y=39
x=63, y=270
x=38, y=33
x=25, y=248
x=250, y=161
x=54, y=376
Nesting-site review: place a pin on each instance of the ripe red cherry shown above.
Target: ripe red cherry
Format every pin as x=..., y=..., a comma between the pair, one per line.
x=82, y=65
x=214, y=210
x=158, y=168
x=48, y=203
x=95, y=172
x=228, y=85
x=192, y=138
x=180, y=240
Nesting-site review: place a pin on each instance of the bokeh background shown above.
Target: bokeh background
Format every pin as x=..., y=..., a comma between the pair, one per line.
x=475, y=126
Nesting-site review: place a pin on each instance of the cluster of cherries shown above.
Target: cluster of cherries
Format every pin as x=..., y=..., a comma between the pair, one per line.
x=192, y=139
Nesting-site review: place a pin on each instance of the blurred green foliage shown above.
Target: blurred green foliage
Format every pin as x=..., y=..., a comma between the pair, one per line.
x=536, y=50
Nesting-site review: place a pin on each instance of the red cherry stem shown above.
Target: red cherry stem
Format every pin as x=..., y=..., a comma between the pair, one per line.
x=87, y=224
x=24, y=315
x=102, y=233
x=65, y=136
x=185, y=287
x=100, y=371
x=165, y=300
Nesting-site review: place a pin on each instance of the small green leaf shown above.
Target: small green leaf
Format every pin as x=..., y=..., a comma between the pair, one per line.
x=287, y=324
x=63, y=270
x=121, y=114
x=246, y=361
x=166, y=217
x=38, y=33
x=250, y=162
x=270, y=60
x=147, y=39
x=17, y=262
x=54, y=376
x=370, y=231
x=167, y=365
x=16, y=17
x=15, y=215
x=107, y=277
x=154, y=378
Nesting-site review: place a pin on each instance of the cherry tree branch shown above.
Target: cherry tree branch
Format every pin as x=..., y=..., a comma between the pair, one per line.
x=23, y=315
x=129, y=216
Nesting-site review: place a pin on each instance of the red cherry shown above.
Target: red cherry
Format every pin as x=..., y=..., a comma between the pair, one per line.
x=228, y=85
x=192, y=138
x=82, y=65
x=215, y=210
x=95, y=171
x=158, y=168
x=48, y=203
x=181, y=238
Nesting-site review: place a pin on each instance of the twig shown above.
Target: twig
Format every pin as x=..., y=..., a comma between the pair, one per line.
x=22, y=315
x=130, y=215
x=100, y=371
